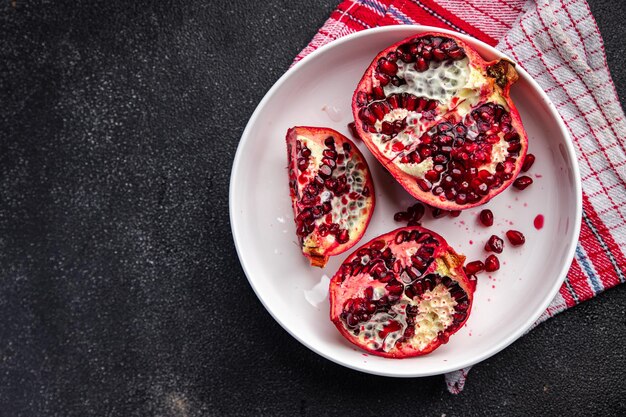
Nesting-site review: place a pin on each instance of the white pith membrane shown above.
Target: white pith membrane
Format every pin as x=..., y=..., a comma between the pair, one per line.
x=384, y=329
x=456, y=85
x=347, y=212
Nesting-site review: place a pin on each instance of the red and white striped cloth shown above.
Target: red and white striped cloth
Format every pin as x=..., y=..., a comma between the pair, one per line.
x=558, y=43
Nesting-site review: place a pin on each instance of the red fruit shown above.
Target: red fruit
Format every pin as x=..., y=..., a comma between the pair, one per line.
x=528, y=162
x=486, y=217
x=474, y=267
x=516, y=238
x=522, y=182
x=402, y=294
x=492, y=263
x=331, y=189
x=449, y=151
x=494, y=244
x=353, y=131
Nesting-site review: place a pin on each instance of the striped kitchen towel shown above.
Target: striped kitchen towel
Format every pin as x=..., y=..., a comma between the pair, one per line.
x=558, y=43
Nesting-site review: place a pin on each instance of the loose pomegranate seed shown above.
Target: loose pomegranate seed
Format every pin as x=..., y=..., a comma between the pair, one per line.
x=401, y=216
x=522, y=182
x=492, y=263
x=516, y=238
x=486, y=217
x=439, y=213
x=494, y=244
x=528, y=162
x=455, y=213
x=474, y=267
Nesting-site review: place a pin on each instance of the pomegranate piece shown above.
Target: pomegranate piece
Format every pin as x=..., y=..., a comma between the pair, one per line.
x=402, y=294
x=332, y=192
x=474, y=267
x=522, y=182
x=441, y=120
x=492, y=263
x=494, y=244
x=486, y=217
x=528, y=162
x=516, y=238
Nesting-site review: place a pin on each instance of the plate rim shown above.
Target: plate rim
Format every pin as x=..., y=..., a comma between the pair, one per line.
x=571, y=153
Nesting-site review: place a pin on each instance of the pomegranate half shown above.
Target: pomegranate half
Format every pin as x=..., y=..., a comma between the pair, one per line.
x=401, y=294
x=440, y=119
x=332, y=192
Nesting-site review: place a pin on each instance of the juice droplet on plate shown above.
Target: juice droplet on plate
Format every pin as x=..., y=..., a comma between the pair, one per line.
x=538, y=221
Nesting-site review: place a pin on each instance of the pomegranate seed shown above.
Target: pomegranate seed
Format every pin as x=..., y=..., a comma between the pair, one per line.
x=494, y=244
x=455, y=213
x=492, y=263
x=522, y=182
x=528, y=162
x=486, y=217
x=516, y=238
x=401, y=216
x=397, y=147
x=343, y=236
x=474, y=267
x=420, y=64
x=387, y=67
x=438, y=213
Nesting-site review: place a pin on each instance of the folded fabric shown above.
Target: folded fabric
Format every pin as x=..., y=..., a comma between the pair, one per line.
x=558, y=43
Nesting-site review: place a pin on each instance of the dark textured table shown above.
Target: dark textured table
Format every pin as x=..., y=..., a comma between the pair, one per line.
x=121, y=293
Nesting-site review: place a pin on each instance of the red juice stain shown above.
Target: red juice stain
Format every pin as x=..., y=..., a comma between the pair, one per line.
x=538, y=222
x=471, y=242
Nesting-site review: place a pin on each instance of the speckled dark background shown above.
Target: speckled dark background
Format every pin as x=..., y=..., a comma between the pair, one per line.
x=120, y=290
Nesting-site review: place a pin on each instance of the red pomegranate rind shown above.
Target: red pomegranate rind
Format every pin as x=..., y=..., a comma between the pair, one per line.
x=441, y=120
x=332, y=192
x=402, y=294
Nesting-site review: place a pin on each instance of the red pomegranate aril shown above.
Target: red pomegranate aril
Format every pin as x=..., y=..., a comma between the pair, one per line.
x=492, y=263
x=474, y=267
x=439, y=213
x=494, y=244
x=455, y=213
x=528, y=162
x=486, y=217
x=420, y=64
x=522, y=182
x=425, y=185
x=387, y=67
x=401, y=216
x=515, y=237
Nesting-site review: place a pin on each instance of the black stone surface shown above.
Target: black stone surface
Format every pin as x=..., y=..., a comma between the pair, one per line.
x=120, y=290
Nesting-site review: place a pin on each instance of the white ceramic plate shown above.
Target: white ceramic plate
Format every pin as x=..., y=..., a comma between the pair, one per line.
x=317, y=92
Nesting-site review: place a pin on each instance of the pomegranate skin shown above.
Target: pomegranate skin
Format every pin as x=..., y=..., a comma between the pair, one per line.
x=403, y=294
x=331, y=189
x=397, y=141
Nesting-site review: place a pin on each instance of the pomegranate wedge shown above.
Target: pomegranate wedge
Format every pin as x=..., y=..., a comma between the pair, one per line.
x=401, y=294
x=440, y=119
x=332, y=192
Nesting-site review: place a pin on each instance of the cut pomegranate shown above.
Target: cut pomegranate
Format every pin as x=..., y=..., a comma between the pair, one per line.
x=441, y=120
x=486, y=217
x=492, y=263
x=522, y=182
x=494, y=244
x=516, y=238
x=332, y=192
x=402, y=294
